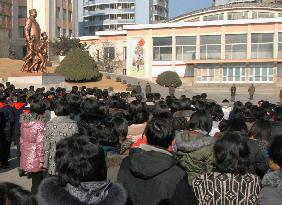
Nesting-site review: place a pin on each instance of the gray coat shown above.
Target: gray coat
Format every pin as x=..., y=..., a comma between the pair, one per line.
x=56, y=129
x=271, y=192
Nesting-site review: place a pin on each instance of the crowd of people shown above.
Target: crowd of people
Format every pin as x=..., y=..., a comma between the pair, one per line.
x=89, y=146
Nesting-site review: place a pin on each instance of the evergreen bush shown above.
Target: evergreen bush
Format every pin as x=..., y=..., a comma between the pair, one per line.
x=169, y=79
x=79, y=66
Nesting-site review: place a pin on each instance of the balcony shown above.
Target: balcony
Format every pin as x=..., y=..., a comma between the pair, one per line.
x=95, y=2
x=108, y=11
x=109, y=22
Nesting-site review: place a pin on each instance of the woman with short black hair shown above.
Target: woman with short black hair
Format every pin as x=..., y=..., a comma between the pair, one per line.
x=81, y=178
x=230, y=182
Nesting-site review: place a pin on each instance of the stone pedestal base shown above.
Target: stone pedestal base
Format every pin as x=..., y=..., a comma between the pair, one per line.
x=36, y=79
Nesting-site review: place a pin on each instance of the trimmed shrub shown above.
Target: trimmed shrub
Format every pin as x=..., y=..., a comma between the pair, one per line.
x=124, y=82
x=79, y=66
x=111, y=89
x=169, y=79
x=108, y=77
x=129, y=85
x=118, y=79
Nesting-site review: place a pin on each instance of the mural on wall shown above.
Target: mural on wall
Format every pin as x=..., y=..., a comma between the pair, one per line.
x=137, y=68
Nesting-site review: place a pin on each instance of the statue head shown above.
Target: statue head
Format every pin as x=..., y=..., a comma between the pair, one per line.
x=33, y=13
x=44, y=36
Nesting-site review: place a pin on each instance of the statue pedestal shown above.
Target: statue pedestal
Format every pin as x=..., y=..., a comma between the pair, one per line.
x=20, y=79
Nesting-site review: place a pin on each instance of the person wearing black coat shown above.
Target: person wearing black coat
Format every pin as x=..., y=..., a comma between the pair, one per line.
x=151, y=175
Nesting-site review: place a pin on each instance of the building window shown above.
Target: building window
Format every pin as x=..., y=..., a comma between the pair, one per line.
x=22, y=12
x=124, y=53
x=259, y=15
x=21, y=32
x=279, y=45
x=109, y=53
x=234, y=73
x=64, y=14
x=207, y=73
x=236, y=46
x=58, y=32
x=214, y=17
x=185, y=48
x=70, y=32
x=70, y=16
x=262, y=45
x=162, y=48
x=238, y=15
x=64, y=32
x=58, y=12
x=261, y=73
x=210, y=47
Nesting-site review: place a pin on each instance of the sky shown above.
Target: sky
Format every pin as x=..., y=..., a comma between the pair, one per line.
x=179, y=7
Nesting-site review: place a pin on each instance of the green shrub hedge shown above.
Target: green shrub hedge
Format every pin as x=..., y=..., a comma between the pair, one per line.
x=79, y=66
x=169, y=79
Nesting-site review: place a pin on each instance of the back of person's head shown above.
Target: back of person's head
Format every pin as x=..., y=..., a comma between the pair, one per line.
x=159, y=132
x=3, y=96
x=238, y=109
x=74, y=89
x=61, y=108
x=185, y=104
x=204, y=96
x=12, y=194
x=232, y=154
x=21, y=99
x=120, y=127
x=37, y=106
x=277, y=113
x=275, y=153
x=89, y=106
x=201, y=120
x=138, y=112
x=223, y=125
x=261, y=130
x=162, y=110
x=237, y=125
x=74, y=102
x=78, y=160
x=217, y=113
x=179, y=123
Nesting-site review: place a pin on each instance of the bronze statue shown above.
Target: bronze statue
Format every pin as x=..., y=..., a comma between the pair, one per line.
x=37, y=48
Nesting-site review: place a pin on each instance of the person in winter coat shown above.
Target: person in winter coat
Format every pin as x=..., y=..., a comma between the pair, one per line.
x=233, y=93
x=31, y=142
x=19, y=107
x=57, y=128
x=150, y=173
x=230, y=183
x=195, y=147
x=251, y=91
x=148, y=89
x=81, y=178
x=9, y=121
x=271, y=192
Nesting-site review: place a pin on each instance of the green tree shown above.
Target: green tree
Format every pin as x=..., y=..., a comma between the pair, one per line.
x=169, y=79
x=65, y=44
x=79, y=66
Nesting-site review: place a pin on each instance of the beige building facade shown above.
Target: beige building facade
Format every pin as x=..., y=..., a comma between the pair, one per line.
x=5, y=26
